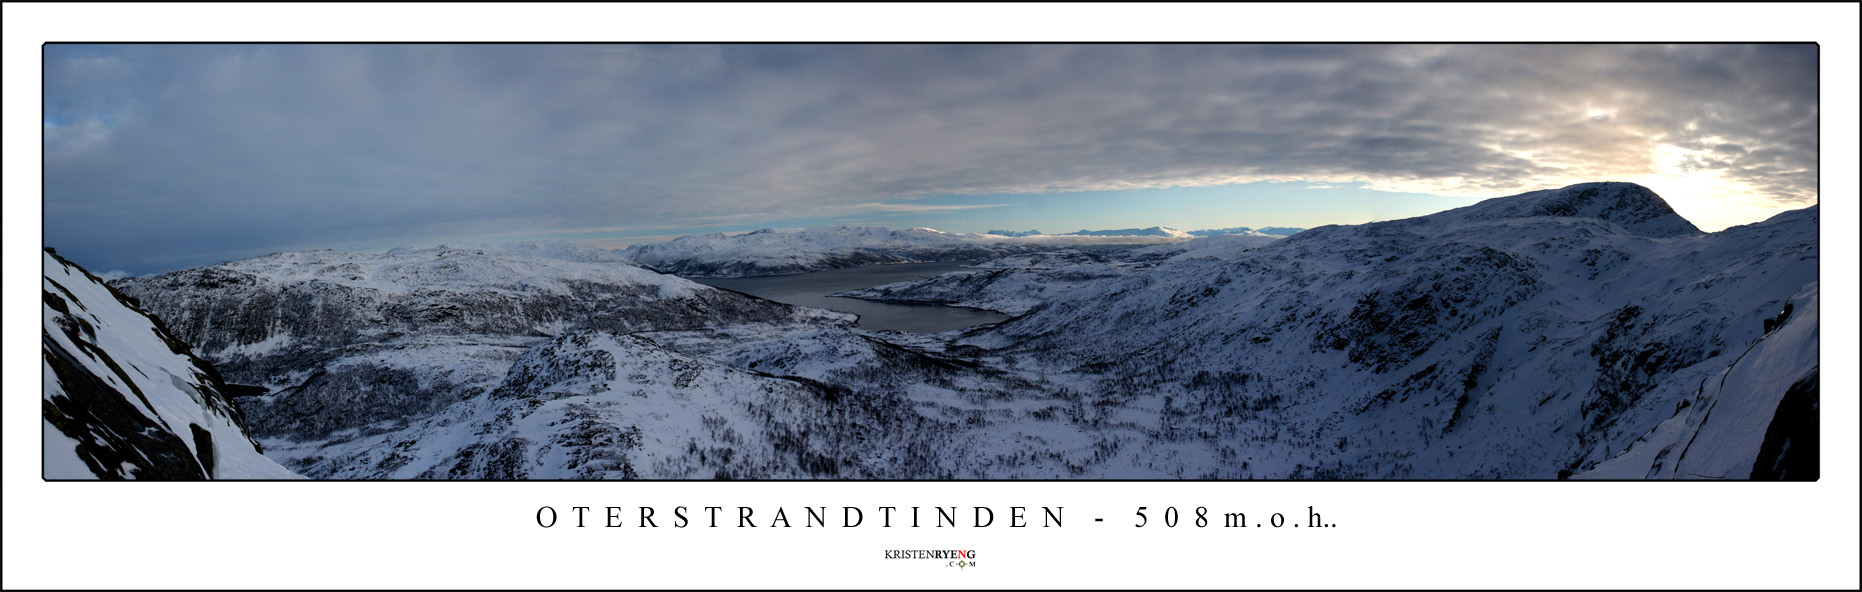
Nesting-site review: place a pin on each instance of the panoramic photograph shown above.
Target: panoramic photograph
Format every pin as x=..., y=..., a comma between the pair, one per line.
x=990, y=262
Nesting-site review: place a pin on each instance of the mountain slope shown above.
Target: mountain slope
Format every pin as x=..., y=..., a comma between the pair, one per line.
x=601, y=405
x=124, y=399
x=1517, y=337
x=1755, y=419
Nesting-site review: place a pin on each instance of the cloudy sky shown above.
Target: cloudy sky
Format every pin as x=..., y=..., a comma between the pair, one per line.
x=166, y=156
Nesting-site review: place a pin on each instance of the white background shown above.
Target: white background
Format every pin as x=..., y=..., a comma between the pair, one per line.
x=1389, y=535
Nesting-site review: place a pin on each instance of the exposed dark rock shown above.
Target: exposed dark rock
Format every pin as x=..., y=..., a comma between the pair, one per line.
x=1792, y=442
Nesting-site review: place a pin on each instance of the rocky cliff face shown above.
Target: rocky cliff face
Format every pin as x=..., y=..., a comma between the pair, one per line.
x=125, y=399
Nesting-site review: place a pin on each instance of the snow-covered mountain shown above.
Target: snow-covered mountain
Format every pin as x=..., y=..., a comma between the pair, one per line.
x=1152, y=231
x=779, y=252
x=1527, y=336
x=1534, y=336
x=1014, y=233
x=284, y=306
x=125, y=399
x=347, y=344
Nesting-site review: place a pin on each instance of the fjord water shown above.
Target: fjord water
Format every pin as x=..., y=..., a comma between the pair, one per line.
x=812, y=289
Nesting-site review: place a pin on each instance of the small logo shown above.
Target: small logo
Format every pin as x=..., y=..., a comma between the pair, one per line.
x=958, y=558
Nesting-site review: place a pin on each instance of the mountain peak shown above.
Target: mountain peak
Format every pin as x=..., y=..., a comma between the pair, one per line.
x=1629, y=205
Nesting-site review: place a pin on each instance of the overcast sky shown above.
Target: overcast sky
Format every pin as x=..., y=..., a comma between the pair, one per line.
x=166, y=156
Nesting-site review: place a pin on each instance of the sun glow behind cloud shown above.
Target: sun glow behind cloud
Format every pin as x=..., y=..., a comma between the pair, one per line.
x=1706, y=196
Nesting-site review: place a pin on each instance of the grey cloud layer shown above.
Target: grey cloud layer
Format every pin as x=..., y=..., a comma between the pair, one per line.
x=250, y=147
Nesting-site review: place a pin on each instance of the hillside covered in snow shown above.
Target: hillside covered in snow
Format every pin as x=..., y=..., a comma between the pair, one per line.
x=125, y=399
x=1757, y=418
x=1529, y=336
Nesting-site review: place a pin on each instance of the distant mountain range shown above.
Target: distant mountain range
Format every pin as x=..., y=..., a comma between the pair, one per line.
x=1155, y=231
x=779, y=252
x=1152, y=231
x=1271, y=230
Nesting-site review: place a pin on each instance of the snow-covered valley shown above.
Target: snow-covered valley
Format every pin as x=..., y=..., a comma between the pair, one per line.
x=1585, y=332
